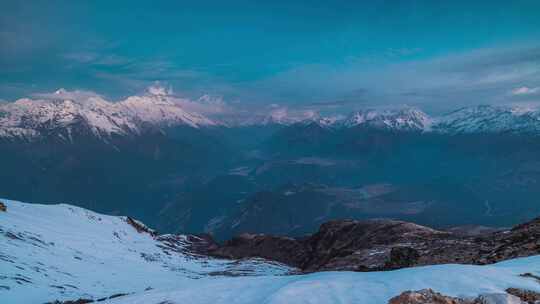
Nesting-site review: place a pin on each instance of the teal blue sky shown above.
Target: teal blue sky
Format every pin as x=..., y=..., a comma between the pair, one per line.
x=320, y=54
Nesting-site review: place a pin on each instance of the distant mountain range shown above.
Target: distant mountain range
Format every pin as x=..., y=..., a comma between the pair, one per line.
x=180, y=171
x=28, y=119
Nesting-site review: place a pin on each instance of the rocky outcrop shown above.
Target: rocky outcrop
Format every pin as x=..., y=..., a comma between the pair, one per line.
x=282, y=249
x=3, y=207
x=425, y=296
x=193, y=245
x=382, y=244
x=79, y=301
x=401, y=257
x=521, y=241
x=374, y=245
x=527, y=296
x=140, y=227
x=86, y=301
x=428, y=296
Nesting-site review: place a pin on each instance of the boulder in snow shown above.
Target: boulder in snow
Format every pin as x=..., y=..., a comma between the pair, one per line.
x=426, y=296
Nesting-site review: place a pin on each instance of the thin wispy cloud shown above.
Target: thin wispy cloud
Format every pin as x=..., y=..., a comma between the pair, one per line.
x=525, y=91
x=481, y=76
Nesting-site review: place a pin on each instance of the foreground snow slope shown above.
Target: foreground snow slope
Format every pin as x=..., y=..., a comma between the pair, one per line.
x=50, y=252
x=64, y=252
x=349, y=287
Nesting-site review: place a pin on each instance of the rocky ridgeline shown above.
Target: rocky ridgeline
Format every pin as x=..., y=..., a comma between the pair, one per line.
x=189, y=244
x=375, y=245
x=428, y=296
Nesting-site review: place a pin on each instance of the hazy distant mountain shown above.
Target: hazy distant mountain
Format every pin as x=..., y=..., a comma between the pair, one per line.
x=490, y=119
x=149, y=157
x=29, y=119
x=478, y=119
x=404, y=120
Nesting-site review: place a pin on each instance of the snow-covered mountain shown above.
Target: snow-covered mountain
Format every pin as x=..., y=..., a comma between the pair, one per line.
x=51, y=252
x=60, y=116
x=279, y=116
x=469, y=120
x=61, y=252
x=490, y=119
x=408, y=119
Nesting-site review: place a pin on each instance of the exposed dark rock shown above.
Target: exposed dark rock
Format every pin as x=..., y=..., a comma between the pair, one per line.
x=367, y=245
x=384, y=244
x=473, y=230
x=201, y=244
x=79, y=301
x=426, y=296
x=527, y=296
x=521, y=241
x=3, y=207
x=140, y=227
x=402, y=257
x=282, y=249
x=85, y=301
x=112, y=297
x=188, y=244
x=351, y=245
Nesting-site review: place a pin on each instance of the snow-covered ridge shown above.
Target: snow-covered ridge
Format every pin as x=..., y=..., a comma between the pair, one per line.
x=277, y=116
x=408, y=119
x=31, y=118
x=50, y=252
x=490, y=119
x=65, y=113
x=470, y=120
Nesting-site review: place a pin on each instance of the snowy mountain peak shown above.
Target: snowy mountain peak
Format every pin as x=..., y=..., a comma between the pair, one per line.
x=64, y=113
x=328, y=121
x=408, y=119
x=490, y=119
x=283, y=116
x=477, y=119
x=277, y=116
x=161, y=110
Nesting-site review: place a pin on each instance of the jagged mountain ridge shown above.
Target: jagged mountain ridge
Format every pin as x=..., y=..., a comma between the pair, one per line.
x=30, y=119
x=408, y=119
x=490, y=119
x=383, y=244
x=467, y=120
